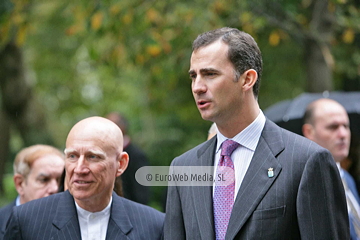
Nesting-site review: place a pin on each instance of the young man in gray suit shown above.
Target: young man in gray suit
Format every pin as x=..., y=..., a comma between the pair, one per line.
x=285, y=187
x=89, y=209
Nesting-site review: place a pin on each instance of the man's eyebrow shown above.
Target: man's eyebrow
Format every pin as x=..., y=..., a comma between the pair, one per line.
x=191, y=72
x=44, y=175
x=204, y=70
x=69, y=150
x=91, y=151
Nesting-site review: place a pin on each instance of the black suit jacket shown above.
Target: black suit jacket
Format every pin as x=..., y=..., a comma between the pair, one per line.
x=304, y=199
x=55, y=217
x=5, y=213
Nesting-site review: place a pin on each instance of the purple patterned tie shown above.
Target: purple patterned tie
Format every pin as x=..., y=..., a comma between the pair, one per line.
x=224, y=194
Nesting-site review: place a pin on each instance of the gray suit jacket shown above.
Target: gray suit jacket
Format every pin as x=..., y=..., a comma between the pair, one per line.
x=304, y=200
x=55, y=217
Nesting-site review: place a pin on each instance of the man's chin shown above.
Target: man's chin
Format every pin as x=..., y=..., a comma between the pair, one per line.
x=79, y=194
x=207, y=116
x=340, y=157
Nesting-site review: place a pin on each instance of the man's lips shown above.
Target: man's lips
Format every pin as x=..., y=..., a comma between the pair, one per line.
x=81, y=182
x=342, y=146
x=203, y=104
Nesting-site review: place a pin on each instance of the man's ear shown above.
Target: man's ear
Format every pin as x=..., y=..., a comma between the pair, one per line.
x=123, y=163
x=250, y=77
x=308, y=131
x=19, y=180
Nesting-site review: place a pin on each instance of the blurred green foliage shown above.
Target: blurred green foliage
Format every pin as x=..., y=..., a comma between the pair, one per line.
x=10, y=191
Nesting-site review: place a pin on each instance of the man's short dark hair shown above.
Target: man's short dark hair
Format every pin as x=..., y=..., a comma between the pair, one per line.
x=243, y=52
x=309, y=114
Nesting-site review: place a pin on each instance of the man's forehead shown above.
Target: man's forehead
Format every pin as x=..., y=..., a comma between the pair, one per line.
x=92, y=138
x=327, y=106
x=210, y=55
x=49, y=174
x=95, y=126
x=326, y=109
x=47, y=169
x=332, y=119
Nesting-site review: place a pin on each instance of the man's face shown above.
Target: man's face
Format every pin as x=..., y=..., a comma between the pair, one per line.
x=91, y=167
x=217, y=94
x=331, y=130
x=43, y=179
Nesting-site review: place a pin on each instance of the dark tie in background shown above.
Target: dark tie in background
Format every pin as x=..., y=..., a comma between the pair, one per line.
x=224, y=193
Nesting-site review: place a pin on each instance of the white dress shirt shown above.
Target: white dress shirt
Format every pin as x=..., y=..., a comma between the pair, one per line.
x=93, y=226
x=17, y=201
x=248, y=140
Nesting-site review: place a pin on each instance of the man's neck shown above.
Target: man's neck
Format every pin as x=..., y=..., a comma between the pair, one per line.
x=93, y=206
x=236, y=124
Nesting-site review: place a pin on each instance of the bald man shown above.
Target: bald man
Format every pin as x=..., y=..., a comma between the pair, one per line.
x=326, y=122
x=89, y=209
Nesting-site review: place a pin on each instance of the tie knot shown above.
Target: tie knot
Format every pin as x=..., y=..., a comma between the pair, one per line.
x=228, y=146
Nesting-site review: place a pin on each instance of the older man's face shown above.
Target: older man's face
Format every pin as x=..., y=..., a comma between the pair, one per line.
x=43, y=179
x=91, y=167
x=331, y=130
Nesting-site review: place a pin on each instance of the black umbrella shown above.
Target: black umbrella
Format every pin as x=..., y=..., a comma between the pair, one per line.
x=289, y=113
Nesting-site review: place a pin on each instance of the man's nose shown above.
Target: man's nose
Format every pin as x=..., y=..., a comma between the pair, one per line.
x=81, y=166
x=198, y=85
x=53, y=186
x=343, y=131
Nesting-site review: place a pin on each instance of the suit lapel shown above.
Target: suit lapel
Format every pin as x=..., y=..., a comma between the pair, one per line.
x=256, y=181
x=66, y=218
x=202, y=195
x=119, y=222
x=67, y=222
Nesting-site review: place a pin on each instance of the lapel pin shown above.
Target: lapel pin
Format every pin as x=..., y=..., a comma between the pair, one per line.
x=270, y=172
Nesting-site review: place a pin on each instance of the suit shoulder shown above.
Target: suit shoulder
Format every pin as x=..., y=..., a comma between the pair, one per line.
x=45, y=204
x=302, y=150
x=297, y=140
x=137, y=220
x=191, y=154
x=6, y=209
x=291, y=145
x=5, y=213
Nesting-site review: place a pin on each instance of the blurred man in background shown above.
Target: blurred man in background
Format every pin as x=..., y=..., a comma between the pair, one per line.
x=37, y=174
x=131, y=189
x=327, y=123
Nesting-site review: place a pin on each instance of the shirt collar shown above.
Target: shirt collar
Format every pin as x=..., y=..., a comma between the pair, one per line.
x=341, y=171
x=249, y=137
x=17, y=201
x=85, y=214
